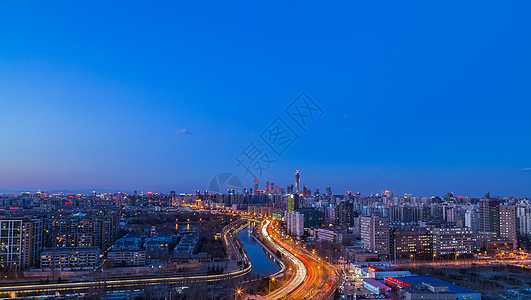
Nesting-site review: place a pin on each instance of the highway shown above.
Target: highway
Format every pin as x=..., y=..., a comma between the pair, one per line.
x=300, y=269
x=312, y=278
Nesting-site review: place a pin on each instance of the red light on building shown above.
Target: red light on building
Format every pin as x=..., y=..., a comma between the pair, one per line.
x=371, y=269
x=68, y=203
x=71, y=197
x=13, y=207
x=392, y=280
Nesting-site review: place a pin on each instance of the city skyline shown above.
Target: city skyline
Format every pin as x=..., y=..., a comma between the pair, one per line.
x=165, y=97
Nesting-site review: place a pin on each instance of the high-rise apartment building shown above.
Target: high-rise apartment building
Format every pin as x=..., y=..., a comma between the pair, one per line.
x=507, y=222
x=497, y=218
x=524, y=215
x=32, y=237
x=295, y=223
x=82, y=230
x=375, y=235
x=20, y=243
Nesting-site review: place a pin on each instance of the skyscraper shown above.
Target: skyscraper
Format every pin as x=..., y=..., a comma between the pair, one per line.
x=293, y=202
x=255, y=188
x=328, y=191
x=345, y=214
x=297, y=182
x=489, y=215
x=289, y=189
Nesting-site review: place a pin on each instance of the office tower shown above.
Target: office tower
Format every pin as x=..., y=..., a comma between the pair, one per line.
x=272, y=188
x=297, y=181
x=406, y=214
x=255, y=188
x=289, y=189
x=507, y=222
x=296, y=201
x=316, y=193
x=449, y=197
x=345, y=214
x=328, y=191
x=489, y=215
x=452, y=241
x=306, y=191
x=312, y=217
x=293, y=202
x=411, y=242
x=472, y=219
x=375, y=235
x=266, y=190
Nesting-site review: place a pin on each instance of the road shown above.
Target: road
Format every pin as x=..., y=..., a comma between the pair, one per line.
x=312, y=277
x=301, y=270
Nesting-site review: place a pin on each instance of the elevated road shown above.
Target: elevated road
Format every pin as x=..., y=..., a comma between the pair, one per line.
x=313, y=278
x=301, y=271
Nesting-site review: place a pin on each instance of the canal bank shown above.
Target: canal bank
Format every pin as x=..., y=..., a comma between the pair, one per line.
x=262, y=262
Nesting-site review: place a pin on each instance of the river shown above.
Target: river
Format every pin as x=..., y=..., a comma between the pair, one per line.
x=262, y=262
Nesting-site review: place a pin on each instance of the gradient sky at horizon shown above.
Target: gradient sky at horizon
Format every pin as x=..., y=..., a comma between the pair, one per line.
x=424, y=98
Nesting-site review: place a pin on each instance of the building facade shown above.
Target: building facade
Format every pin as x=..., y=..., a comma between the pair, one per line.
x=375, y=235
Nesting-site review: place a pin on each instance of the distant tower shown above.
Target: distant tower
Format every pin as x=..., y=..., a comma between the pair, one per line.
x=297, y=182
x=272, y=188
x=328, y=191
x=266, y=187
x=289, y=189
x=255, y=185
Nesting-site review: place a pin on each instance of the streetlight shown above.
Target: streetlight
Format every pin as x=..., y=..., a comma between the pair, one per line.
x=272, y=280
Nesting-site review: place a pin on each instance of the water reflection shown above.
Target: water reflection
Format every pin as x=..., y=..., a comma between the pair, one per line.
x=262, y=262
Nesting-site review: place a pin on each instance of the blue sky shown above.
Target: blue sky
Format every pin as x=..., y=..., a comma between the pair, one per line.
x=422, y=98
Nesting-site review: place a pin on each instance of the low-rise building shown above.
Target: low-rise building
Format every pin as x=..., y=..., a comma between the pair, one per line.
x=68, y=258
x=129, y=258
x=424, y=287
